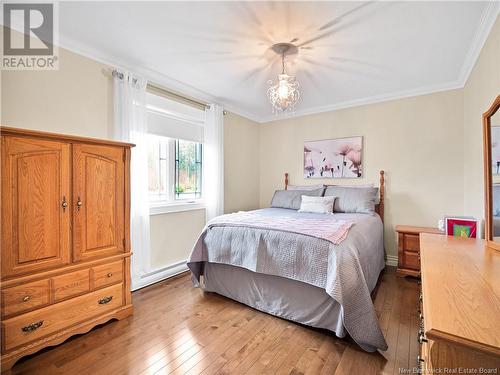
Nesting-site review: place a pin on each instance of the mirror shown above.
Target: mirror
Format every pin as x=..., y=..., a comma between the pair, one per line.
x=491, y=131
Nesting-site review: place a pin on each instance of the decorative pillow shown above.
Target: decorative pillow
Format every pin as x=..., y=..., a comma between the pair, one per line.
x=292, y=198
x=319, y=205
x=356, y=200
x=305, y=187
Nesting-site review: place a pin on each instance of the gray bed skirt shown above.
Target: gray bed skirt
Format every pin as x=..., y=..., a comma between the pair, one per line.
x=275, y=295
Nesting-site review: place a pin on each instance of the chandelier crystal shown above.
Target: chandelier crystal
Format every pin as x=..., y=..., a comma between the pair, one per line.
x=285, y=93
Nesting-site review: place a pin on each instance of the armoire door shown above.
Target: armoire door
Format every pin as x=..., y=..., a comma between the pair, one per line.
x=36, y=206
x=98, y=201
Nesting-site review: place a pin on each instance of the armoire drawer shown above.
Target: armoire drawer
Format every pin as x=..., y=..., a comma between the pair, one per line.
x=71, y=284
x=25, y=297
x=108, y=274
x=48, y=320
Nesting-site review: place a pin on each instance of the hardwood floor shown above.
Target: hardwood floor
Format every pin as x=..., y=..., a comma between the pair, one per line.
x=177, y=329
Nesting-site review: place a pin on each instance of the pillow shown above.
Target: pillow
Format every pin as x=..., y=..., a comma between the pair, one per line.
x=305, y=187
x=292, y=198
x=319, y=205
x=356, y=200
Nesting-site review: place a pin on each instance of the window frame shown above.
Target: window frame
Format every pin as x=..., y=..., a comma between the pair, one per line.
x=173, y=204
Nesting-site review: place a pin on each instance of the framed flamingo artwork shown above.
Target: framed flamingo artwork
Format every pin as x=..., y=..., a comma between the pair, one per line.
x=334, y=158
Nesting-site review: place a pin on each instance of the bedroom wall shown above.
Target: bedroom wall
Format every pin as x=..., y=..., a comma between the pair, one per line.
x=78, y=99
x=481, y=89
x=418, y=142
x=241, y=164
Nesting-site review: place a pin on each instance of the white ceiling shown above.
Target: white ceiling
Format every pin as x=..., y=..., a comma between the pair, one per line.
x=352, y=52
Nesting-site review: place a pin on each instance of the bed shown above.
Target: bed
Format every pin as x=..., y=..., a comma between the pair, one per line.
x=289, y=273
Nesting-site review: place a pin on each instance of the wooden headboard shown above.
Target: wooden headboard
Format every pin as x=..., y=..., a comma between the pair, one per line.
x=379, y=208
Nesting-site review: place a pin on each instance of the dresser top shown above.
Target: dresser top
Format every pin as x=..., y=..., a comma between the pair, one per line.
x=461, y=291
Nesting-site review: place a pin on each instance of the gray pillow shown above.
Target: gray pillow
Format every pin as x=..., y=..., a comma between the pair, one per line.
x=353, y=199
x=293, y=198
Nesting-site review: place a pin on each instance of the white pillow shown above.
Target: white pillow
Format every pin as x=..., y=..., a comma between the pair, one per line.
x=318, y=205
x=305, y=187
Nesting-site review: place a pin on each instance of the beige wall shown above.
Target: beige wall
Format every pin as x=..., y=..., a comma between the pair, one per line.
x=241, y=164
x=173, y=236
x=417, y=141
x=77, y=99
x=480, y=91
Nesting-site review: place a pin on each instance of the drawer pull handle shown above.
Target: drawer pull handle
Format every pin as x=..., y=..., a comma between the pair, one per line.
x=79, y=203
x=420, y=362
x=26, y=298
x=105, y=300
x=33, y=326
x=109, y=274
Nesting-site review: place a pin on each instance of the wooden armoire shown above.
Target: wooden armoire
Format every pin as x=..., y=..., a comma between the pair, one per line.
x=65, y=256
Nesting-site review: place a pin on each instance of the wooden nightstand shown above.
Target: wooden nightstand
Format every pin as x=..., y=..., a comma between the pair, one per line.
x=409, y=248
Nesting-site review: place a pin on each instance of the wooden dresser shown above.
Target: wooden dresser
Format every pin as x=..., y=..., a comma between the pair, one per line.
x=409, y=248
x=460, y=305
x=65, y=252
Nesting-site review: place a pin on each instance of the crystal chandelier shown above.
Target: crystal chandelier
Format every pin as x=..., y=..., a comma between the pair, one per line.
x=285, y=93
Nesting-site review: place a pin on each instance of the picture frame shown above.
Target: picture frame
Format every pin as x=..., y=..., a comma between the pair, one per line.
x=461, y=226
x=334, y=158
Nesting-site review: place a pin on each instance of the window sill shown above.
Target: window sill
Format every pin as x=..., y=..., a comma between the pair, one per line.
x=159, y=209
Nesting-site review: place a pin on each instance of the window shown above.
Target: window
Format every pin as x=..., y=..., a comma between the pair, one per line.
x=175, y=155
x=174, y=170
x=187, y=169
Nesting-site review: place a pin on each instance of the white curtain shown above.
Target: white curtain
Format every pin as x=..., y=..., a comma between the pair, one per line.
x=213, y=161
x=131, y=126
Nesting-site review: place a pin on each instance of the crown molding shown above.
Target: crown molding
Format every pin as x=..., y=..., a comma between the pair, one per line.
x=488, y=19
x=365, y=101
x=151, y=75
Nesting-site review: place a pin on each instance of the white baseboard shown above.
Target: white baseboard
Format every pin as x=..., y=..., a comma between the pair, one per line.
x=391, y=260
x=159, y=274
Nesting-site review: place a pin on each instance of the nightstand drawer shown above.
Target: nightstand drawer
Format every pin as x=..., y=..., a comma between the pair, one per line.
x=409, y=248
x=411, y=242
x=411, y=260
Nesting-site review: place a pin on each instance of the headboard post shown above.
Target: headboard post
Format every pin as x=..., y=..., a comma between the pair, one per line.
x=286, y=180
x=382, y=195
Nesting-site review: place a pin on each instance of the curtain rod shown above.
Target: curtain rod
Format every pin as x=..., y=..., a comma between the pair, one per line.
x=172, y=95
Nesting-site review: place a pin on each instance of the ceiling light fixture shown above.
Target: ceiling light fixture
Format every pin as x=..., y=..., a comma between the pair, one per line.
x=285, y=93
